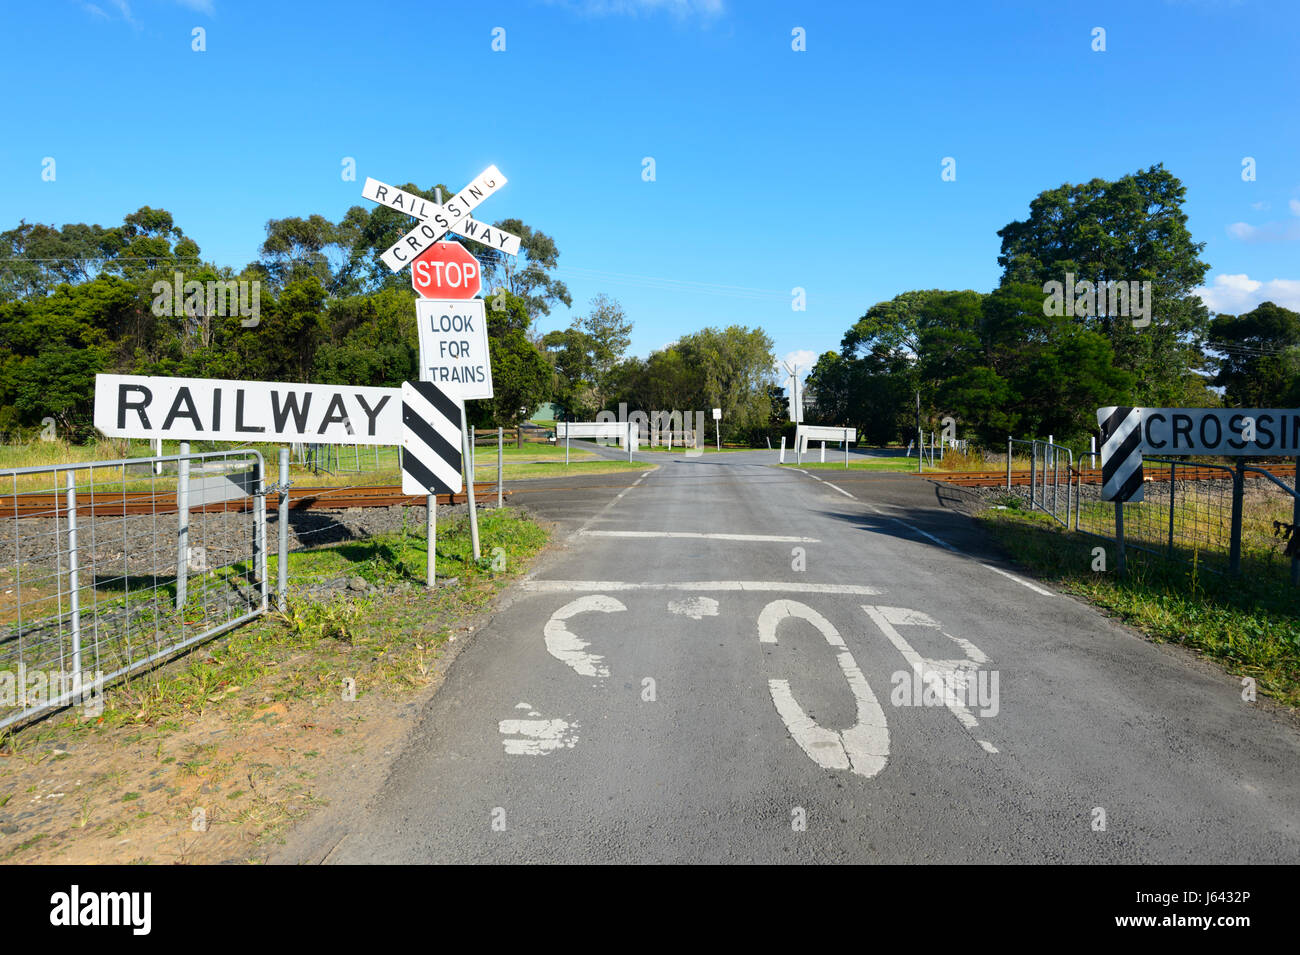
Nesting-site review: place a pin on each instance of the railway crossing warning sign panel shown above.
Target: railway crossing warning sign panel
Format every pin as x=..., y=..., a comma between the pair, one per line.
x=1121, y=453
x=432, y=424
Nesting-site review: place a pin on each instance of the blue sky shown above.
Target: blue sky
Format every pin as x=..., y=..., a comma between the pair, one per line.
x=774, y=169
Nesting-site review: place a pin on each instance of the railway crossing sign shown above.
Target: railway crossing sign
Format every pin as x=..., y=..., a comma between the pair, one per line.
x=1121, y=454
x=437, y=220
x=432, y=426
x=454, y=346
x=446, y=270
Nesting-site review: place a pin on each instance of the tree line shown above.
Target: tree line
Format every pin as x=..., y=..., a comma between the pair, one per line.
x=1095, y=306
x=79, y=300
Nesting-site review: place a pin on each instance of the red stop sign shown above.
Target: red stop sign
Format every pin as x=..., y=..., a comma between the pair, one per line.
x=446, y=270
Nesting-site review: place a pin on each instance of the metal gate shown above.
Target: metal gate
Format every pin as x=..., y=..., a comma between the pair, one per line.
x=107, y=568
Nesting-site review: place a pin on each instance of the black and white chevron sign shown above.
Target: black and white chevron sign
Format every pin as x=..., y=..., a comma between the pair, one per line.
x=432, y=422
x=1121, y=453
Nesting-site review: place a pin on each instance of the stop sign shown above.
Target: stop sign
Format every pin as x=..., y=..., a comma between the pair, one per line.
x=446, y=270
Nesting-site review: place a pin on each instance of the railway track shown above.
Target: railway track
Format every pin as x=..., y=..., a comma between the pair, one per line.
x=119, y=504
x=1019, y=478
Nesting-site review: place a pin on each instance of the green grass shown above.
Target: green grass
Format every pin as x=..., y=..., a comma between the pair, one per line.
x=1249, y=624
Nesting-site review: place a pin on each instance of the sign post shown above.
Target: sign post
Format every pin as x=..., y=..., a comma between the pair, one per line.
x=717, y=416
x=452, y=322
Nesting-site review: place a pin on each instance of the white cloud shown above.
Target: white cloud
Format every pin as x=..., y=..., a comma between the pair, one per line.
x=804, y=358
x=92, y=9
x=1295, y=207
x=1259, y=206
x=125, y=9
x=1268, y=232
x=1235, y=294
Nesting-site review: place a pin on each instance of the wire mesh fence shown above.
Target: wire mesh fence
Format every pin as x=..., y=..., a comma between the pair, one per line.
x=1190, y=513
x=108, y=567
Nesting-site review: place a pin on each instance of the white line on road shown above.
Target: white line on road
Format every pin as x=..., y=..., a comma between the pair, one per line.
x=942, y=543
x=568, y=647
x=765, y=586
x=772, y=538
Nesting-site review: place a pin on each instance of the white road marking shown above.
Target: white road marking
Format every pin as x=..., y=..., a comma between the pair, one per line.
x=772, y=538
x=942, y=543
x=570, y=649
x=697, y=608
x=757, y=586
x=536, y=737
x=1020, y=580
x=601, y=513
x=864, y=747
x=952, y=674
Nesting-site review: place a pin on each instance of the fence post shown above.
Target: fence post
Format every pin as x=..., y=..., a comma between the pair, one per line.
x=781, y=459
x=282, y=527
x=501, y=437
x=1008, y=462
x=1033, y=470
x=1173, y=486
x=73, y=582
x=1238, y=493
x=182, y=524
x=920, y=450
x=259, y=527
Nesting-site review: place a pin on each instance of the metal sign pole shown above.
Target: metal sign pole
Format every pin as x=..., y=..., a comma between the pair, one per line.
x=431, y=536
x=468, y=442
x=182, y=524
x=282, y=521
x=1119, y=536
x=501, y=434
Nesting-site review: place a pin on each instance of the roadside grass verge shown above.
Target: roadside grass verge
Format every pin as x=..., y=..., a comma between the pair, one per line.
x=1249, y=624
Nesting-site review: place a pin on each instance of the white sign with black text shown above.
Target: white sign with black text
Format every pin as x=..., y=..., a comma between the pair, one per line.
x=1235, y=432
x=214, y=409
x=454, y=345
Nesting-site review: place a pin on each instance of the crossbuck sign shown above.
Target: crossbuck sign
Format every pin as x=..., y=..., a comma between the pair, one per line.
x=437, y=220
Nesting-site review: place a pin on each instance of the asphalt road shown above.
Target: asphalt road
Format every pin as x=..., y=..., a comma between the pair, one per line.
x=711, y=670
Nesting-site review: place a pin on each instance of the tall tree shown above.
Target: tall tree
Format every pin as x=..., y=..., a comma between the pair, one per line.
x=1133, y=229
x=1259, y=363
